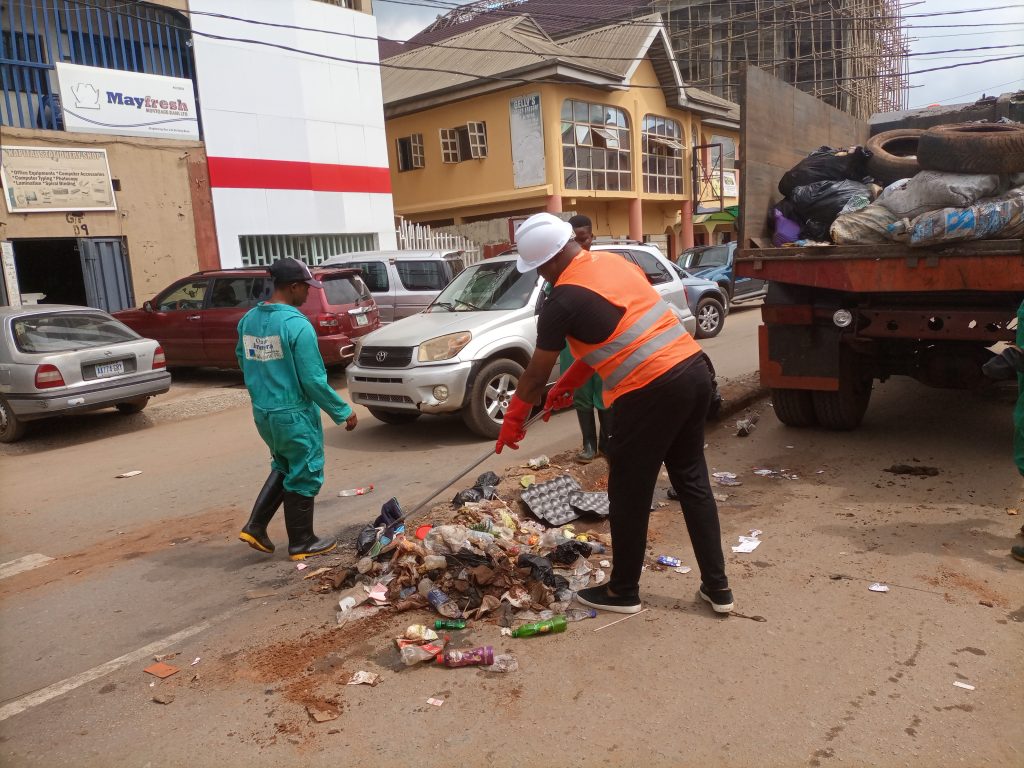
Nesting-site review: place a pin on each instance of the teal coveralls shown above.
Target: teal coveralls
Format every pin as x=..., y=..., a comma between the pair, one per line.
x=284, y=372
x=591, y=394
x=1018, y=412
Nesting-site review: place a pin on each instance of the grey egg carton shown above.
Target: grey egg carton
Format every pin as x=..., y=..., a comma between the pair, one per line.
x=561, y=501
x=549, y=501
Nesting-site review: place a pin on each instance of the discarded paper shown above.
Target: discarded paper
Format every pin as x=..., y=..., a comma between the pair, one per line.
x=876, y=587
x=364, y=678
x=683, y=569
x=133, y=473
x=965, y=686
x=322, y=715
x=435, y=702
x=747, y=544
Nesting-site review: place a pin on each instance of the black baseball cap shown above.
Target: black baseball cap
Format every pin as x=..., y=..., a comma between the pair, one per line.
x=293, y=271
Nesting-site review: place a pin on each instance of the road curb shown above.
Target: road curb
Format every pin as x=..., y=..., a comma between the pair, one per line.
x=739, y=393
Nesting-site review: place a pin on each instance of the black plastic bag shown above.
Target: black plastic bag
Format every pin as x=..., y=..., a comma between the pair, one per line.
x=487, y=478
x=821, y=202
x=467, y=496
x=541, y=570
x=568, y=552
x=826, y=164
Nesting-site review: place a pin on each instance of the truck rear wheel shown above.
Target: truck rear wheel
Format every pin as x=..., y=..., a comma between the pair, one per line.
x=794, y=407
x=844, y=409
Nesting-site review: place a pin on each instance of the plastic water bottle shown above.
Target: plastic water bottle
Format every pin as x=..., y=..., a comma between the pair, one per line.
x=549, y=627
x=356, y=491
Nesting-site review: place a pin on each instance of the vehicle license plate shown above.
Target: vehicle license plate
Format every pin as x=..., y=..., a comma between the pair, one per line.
x=362, y=320
x=110, y=369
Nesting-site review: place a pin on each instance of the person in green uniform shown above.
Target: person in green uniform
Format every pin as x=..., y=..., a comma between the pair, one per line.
x=285, y=375
x=588, y=398
x=1003, y=367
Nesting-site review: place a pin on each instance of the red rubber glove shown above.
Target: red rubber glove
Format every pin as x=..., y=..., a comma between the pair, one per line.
x=561, y=394
x=512, y=429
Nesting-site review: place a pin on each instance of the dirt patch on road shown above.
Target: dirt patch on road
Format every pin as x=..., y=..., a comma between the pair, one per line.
x=949, y=579
x=123, y=546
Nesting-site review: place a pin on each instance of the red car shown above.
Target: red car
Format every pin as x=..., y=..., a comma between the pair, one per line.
x=196, y=319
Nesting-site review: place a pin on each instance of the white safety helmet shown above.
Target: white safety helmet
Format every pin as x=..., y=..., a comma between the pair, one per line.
x=539, y=238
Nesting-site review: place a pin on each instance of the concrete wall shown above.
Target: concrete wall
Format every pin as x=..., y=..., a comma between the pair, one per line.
x=154, y=204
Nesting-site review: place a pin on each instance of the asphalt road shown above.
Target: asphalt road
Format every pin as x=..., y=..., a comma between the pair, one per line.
x=150, y=563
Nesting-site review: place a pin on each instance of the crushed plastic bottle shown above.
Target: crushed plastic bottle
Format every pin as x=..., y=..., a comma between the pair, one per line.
x=444, y=604
x=420, y=633
x=476, y=657
x=579, y=614
x=356, y=491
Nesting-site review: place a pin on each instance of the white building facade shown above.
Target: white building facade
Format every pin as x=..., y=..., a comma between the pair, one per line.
x=294, y=129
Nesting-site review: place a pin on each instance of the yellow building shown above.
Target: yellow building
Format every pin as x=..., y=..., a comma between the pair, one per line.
x=502, y=121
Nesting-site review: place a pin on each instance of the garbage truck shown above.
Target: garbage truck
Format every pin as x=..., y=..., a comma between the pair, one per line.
x=838, y=318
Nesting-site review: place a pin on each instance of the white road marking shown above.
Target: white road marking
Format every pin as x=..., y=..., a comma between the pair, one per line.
x=43, y=695
x=22, y=564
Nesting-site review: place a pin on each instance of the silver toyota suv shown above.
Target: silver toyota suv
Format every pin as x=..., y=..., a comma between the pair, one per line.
x=464, y=353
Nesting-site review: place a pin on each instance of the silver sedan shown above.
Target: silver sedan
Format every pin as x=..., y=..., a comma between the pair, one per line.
x=57, y=359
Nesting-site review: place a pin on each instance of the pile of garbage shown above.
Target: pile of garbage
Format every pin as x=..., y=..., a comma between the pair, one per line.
x=480, y=560
x=831, y=195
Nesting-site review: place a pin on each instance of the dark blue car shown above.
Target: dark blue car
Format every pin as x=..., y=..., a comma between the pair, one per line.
x=717, y=262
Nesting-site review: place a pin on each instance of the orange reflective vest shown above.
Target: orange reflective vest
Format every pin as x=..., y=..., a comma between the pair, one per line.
x=649, y=339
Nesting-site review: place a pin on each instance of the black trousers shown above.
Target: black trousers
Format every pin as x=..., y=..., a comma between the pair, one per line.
x=663, y=423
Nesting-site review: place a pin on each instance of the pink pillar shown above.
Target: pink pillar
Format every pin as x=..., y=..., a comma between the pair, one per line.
x=686, y=224
x=554, y=204
x=636, y=219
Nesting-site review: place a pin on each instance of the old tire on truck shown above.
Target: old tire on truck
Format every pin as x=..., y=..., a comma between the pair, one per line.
x=894, y=155
x=493, y=387
x=794, y=407
x=394, y=417
x=973, y=148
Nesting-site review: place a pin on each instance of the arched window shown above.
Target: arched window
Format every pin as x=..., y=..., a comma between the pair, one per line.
x=595, y=146
x=663, y=155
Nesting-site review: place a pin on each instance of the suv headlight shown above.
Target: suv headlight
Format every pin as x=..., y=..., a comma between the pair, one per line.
x=443, y=347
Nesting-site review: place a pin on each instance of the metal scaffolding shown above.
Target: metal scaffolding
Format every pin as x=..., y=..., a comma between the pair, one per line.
x=851, y=54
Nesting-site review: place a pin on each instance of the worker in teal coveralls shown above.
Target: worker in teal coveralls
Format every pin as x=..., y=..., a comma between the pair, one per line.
x=1004, y=367
x=285, y=375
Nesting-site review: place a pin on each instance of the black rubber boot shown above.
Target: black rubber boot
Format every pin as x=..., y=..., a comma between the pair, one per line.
x=589, y=430
x=298, y=519
x=254, y=532
x=604, y=420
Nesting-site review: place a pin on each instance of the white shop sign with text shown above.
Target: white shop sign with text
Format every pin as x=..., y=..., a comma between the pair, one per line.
x=98, y=100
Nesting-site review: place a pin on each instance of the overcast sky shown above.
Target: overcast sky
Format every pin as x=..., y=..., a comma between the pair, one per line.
x=967, y=83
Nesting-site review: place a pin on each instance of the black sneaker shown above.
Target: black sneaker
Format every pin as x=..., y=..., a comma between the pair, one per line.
x=598, y=597
x=720, y=599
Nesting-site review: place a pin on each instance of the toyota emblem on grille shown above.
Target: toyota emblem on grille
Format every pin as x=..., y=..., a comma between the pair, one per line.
x=381, y=356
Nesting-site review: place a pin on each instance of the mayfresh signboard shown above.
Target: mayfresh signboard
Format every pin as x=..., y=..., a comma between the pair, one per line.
x=44, y=179
x=110, y=101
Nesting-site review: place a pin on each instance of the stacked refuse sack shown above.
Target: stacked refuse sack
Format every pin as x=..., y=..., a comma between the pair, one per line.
x=962, y=182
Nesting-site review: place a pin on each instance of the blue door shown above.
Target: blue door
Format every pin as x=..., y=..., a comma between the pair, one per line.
x=108, y=280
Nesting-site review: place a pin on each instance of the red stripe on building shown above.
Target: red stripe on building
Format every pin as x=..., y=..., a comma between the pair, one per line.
x=243, y=173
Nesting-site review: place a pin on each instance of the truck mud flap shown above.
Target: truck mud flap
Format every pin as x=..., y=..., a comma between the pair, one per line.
x=800, y=357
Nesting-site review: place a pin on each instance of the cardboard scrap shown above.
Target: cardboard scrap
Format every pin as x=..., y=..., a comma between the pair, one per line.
x=435, y=702
x=317, y=572
x=161, y=670
x=322, y=715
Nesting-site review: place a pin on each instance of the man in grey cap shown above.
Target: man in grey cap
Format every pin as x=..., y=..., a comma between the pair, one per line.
x=285, y=375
